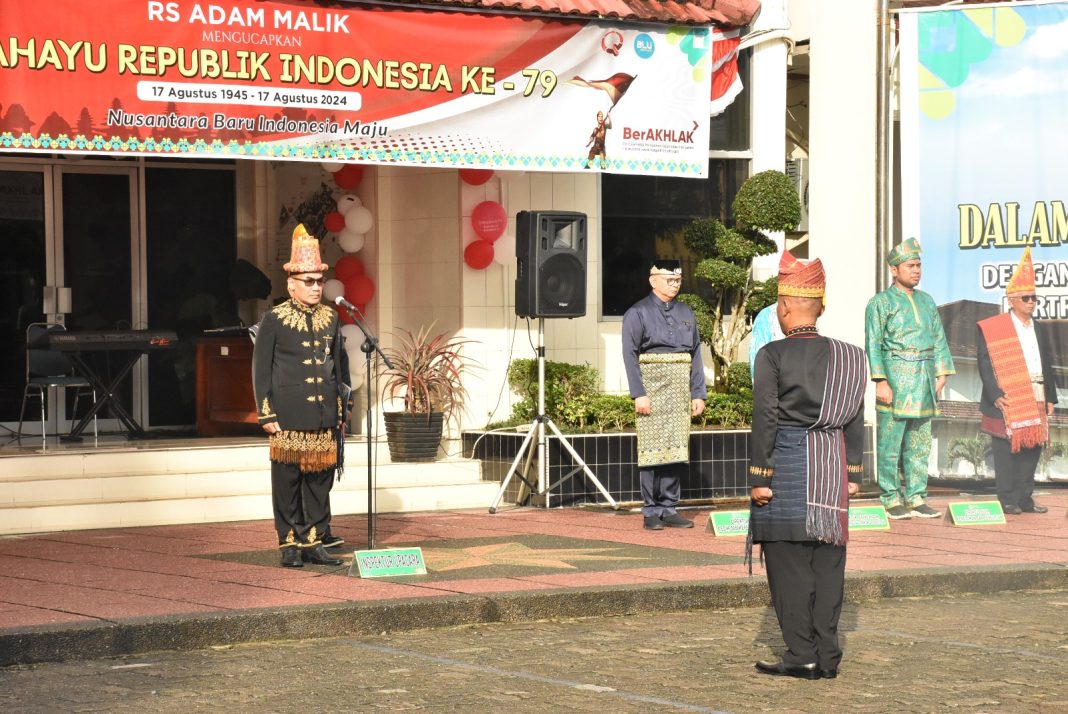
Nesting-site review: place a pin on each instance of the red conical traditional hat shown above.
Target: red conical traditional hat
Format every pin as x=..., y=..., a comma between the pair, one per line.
x=1022, y=281
x=799, y=279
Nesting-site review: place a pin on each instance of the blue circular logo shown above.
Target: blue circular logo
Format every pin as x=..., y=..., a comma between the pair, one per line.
x=643, y=46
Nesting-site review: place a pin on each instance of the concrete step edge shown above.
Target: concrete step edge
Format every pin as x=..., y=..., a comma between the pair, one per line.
x=354, y=619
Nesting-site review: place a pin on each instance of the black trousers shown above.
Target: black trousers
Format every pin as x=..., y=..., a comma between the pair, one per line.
x=1014, y=474
x=301, y=503
x=807, y=580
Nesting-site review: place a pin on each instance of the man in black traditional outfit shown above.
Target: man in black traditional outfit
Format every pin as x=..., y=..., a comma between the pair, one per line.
x=662, y=357
x=299, y=363
x=805, y=462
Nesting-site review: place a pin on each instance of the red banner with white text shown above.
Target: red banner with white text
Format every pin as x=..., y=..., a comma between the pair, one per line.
x=287, y=80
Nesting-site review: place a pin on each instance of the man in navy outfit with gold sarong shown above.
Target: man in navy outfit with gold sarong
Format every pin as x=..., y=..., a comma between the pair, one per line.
x=662, y=357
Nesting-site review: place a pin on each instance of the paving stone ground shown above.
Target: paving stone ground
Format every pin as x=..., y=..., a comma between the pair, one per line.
x=1002, y=652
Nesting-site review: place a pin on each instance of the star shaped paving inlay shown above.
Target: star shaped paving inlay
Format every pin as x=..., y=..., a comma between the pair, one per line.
x=442, y=559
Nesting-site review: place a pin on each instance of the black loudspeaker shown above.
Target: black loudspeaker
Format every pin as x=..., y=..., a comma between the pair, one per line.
x=550, y=251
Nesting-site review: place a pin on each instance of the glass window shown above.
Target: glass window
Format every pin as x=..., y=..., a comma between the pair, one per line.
x=729, y=131
x=642, y=220
x=22, y=277
x=191, y=234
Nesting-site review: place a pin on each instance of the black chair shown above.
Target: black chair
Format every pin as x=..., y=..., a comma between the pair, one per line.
x=46, y=369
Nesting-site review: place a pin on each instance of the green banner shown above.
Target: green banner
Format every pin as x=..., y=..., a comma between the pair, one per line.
x=388, y=562
x=976, y=513
x=729, y=523
x=868, y=518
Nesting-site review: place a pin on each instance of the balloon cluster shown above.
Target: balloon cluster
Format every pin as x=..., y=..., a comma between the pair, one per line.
x=351, y=221
x=488, y=219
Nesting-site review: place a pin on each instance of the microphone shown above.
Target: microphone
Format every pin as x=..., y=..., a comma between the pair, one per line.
x=342, y=302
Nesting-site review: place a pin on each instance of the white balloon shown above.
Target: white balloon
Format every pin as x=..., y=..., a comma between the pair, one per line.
x=351, y=333
x=332, y=166
x=504, y=250
x=333, y=289
x=357, y=366
x=348, y=202
x=349, y=241
x=359, y=219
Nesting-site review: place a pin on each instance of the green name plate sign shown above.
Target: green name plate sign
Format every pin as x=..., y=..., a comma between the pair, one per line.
x=729, y=523
x=868, y=518
x=389, y=562
x=976, y=513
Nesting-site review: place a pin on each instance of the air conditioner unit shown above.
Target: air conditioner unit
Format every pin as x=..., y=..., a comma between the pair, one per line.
x=797, y=170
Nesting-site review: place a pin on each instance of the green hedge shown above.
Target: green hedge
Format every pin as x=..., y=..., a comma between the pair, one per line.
x=573, y=402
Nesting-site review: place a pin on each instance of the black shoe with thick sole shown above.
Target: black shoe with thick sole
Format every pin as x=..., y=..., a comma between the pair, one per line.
x=653, y=523
x=1035, y=509
x=676, y=521
x=291, y=558
x=784, y=669
x=319, y=556
x=332, y=541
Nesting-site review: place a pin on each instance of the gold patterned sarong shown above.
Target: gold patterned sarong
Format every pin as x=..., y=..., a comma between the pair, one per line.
x=312, y=451
x=664, y=435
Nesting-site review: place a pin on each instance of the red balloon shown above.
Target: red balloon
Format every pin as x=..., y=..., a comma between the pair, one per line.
x=475, y=177
x=334, y=222
x=359, y=289
x=347, y=266
x=489, y=220
x=479, y=254
x=349, y=176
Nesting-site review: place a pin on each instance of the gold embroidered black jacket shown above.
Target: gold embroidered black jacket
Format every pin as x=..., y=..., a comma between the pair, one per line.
x=298, y=357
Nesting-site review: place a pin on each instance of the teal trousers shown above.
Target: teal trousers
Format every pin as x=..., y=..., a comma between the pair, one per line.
x=904, y=447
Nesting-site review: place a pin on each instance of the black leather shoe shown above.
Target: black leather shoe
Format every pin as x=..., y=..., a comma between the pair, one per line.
x=653, y=523
x=1012, y=510
x=783, y=669
x=676, y=521
x=318, y=556
x=291, y=558
x=828, y=674
x=332, y=541
x=1035, y=509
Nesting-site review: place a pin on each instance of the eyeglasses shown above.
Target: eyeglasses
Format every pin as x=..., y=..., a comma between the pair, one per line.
x=1028, y=298
x=310, y=282
x=672, y=281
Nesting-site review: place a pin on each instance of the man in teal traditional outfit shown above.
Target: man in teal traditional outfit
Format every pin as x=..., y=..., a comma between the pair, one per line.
x=909, y=360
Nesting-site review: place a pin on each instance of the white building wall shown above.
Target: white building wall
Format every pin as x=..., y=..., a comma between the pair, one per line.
x=842, y=156
x=488, y=296
x=842, y=149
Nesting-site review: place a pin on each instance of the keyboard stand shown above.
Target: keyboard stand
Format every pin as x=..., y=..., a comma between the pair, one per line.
x=106, y=394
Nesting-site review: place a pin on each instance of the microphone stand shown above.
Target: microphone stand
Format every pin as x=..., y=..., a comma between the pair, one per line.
x=369, y=347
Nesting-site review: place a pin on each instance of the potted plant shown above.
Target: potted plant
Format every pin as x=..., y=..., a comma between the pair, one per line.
x=427, y=373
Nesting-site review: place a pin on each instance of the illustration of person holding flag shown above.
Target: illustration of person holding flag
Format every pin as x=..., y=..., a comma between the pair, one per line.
x=615, y=86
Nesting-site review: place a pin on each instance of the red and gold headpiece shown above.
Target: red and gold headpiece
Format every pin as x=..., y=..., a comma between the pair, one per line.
x=1022, y=281
x=798, y=279
x=304, y=253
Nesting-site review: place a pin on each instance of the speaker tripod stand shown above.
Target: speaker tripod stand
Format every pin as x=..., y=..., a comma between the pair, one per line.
x=537, y=431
